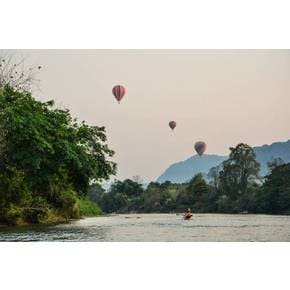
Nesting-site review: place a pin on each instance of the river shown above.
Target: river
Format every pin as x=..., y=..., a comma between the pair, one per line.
x=159, y=227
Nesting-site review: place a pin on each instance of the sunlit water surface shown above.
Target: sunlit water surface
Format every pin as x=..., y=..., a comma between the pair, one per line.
x=159, y=227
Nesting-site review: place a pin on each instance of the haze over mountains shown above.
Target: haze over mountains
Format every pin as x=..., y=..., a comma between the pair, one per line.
x=185, y=170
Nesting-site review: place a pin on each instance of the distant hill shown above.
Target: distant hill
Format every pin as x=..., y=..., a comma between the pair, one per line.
x=266, y=153
x=185, y=170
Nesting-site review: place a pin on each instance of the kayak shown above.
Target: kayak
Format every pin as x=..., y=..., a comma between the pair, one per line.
x=187, y=216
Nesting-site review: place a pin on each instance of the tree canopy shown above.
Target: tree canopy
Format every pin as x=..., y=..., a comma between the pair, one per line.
x=47, y=158
x=275, y=196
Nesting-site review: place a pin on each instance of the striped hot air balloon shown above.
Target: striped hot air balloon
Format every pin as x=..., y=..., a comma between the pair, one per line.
x=200, y=147
x=172, y=125
x=118, y=92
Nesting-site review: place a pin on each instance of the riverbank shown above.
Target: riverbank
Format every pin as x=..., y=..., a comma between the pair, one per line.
x=17, y=216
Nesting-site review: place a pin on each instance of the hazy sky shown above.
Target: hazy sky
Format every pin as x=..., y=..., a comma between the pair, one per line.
x=219, y=96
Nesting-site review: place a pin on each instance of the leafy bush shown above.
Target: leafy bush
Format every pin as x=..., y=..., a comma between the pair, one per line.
x=89, y=208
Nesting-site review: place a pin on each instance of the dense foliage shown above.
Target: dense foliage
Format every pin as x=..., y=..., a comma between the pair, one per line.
x=275, y=196
x=235, y=187
x=47, y=159
x=89, y=208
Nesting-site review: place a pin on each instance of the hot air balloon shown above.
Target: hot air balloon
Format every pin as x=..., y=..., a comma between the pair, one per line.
x=118, y=92
x=172, y=125
x=200, y=147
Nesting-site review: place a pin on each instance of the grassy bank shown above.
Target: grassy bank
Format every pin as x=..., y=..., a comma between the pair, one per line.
x=49, y=216
x=89, y=208
x=17, y=216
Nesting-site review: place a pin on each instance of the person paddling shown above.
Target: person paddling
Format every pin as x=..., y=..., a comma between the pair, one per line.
x=188, y=214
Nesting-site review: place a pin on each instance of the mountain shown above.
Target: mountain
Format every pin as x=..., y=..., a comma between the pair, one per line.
x=266, y=153
x=185, y=170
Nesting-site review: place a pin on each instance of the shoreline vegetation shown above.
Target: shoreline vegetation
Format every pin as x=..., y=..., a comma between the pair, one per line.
x=235, y=187
x=87, y=208
x=48, y=159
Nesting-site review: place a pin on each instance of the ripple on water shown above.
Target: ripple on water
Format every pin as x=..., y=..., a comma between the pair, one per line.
x=158, y=227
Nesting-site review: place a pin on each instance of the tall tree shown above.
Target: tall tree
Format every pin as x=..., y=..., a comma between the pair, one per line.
x=238, y=172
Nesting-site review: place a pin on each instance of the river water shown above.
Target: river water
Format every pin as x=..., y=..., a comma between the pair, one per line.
x=159, y=227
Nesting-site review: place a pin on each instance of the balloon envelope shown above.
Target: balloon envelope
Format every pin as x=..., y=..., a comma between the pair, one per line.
x=172, y=125
x=118, y=92
x=200, y=147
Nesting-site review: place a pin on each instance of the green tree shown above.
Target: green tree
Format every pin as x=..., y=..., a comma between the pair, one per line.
x=274, y=197
x=239, y=171
x=123, y=196
x=55, y=156
x=128, y=187
x=199, y=192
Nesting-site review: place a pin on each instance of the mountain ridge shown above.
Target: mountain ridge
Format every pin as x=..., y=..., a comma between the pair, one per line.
x=183, y=171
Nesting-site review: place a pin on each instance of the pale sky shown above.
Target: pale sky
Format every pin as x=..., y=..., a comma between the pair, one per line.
x=222, y=97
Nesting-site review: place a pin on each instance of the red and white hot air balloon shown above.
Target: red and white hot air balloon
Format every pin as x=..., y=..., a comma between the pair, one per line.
x=118, y=92
x=172, y=125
